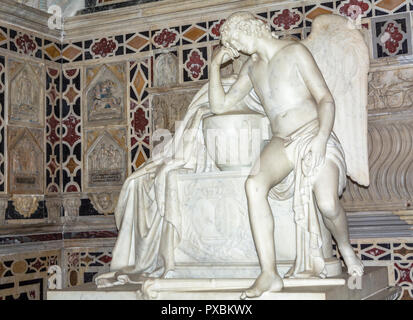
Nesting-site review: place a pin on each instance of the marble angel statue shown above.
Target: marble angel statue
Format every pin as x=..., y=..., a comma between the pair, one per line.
x=314, y=93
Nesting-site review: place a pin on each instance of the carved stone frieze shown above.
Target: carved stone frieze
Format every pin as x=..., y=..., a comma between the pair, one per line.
x=105, y=95
x=26, y=97
x=106, y=159
x=391, y=169
x=25, y=160
x=390, y=90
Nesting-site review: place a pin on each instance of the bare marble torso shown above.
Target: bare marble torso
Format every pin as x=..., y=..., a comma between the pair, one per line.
x=286, y=99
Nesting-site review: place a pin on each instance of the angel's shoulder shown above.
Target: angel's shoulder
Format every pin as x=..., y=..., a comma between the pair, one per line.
x=296, y=47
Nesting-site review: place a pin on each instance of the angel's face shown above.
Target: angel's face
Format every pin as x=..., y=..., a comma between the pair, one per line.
x=244, y=43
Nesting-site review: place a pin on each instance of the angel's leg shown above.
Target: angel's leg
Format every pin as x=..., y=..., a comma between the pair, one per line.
x=325, y=191
x=271, y=167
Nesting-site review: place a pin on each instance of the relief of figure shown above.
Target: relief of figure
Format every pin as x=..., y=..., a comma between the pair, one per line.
x=25, y=93
x=23, y=159
x=23, y=98
x=314, y=94
x=106, y=157
x=104, y=98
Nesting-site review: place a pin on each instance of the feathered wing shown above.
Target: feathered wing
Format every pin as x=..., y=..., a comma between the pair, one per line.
x=342, y=56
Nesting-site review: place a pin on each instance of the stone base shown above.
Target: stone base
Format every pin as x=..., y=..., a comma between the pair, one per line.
x=239, y=271
x=373, y=285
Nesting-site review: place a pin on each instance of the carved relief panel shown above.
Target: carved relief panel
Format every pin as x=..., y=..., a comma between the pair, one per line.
x=105, y=95
x=106, y=159
x=26, y=93
x=26, y=160
x=166, y=70
x=169, y=108
x=390, y=90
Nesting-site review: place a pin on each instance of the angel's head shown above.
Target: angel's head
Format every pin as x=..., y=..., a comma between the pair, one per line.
x=240, y=31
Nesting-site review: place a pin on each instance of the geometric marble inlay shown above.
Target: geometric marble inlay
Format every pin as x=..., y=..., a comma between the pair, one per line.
x=389, y=4
x=317, y=12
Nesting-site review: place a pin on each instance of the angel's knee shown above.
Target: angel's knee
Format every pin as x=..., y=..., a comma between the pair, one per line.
x=329, y=206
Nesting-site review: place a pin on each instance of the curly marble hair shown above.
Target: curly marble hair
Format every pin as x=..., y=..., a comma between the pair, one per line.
x=246, y=23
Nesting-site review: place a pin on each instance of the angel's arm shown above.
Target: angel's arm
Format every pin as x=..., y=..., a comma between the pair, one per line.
x=318, y=88
x=220, y=101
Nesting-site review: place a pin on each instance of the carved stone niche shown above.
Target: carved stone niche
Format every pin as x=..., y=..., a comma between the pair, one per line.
x=105, y=95
x=106, y=164
x=166, y=70
x=26, y=95
x=104, y=202
x=26, y=172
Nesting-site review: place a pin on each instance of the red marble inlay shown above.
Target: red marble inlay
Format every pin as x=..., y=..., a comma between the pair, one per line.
x=393, y=43
x=38, y=264
x=165, y=38
x=71, y=135
x=104, y=47
x=105, y=259
x=375, y=252
x=52, y=136
x=216, y=29
x=133, y=141
x=71, y=72
x=73, y=259
x=146, y=140
x=53, y=72
x=139, y=122
x=26, y=44
x=72, y=188
x=404, y=274
x=354, y=8
x=286, y=19
x=195, y=64
x=52, y=189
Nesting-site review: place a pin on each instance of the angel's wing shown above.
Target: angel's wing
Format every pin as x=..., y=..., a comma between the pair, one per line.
x=342, y=56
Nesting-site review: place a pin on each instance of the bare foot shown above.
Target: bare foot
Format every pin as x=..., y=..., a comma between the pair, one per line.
x=266, y=281
x=354, y=264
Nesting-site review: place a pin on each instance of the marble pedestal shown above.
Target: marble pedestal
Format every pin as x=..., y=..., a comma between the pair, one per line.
x=216, y=239
x=373, y=285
